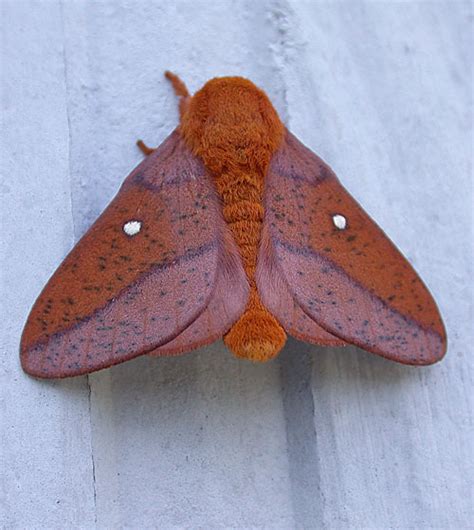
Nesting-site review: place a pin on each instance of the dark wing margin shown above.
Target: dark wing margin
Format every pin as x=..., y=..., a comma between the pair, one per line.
x=120, y=294
x=339, y=266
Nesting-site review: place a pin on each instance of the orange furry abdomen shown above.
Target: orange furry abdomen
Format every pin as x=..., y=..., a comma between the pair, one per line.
x=232, y=126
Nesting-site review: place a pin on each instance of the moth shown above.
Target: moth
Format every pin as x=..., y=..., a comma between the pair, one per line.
x=230, y=228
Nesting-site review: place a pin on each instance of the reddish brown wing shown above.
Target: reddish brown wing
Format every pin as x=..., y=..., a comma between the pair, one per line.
x=227, y=303
x=284, y=306
x=117, y=296
x=350, y=280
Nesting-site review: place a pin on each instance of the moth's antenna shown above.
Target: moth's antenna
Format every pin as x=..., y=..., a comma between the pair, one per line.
x=180, y=90
x=178, y=85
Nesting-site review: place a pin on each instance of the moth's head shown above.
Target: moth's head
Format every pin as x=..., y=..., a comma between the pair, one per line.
x=231, y=100
x=231, y=114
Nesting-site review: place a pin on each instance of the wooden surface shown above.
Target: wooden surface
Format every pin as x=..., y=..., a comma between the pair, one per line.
x=319, y=438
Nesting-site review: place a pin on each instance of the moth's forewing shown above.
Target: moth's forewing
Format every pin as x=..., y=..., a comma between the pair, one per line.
x=143, y=273
x=339, y=266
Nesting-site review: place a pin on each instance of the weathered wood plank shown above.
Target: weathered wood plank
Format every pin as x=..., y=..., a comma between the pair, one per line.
x=46, y=468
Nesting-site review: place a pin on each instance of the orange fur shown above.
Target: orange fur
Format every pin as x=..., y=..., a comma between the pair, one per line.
x=232, y=126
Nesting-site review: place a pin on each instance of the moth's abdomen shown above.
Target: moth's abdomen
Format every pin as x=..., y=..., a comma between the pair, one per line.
x=256, y=335
x=245, y=222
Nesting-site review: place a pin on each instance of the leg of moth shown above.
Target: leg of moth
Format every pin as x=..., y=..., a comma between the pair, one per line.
x=182, y=92
x=144, y=148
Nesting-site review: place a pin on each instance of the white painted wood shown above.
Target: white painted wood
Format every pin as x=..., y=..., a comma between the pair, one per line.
x=45, y=446
x=320, y=438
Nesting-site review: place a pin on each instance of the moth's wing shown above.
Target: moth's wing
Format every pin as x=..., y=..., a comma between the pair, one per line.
x=226, y=305
x=284, y=307
x=119, y=295
x=351, y=281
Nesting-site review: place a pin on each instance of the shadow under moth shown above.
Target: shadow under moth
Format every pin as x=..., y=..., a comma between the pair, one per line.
x=230, y=228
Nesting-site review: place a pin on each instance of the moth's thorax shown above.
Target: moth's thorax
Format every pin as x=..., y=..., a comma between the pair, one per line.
x=232, y=126
x=230, y=123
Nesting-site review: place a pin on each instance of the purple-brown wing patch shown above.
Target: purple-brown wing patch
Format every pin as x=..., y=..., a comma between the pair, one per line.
x=278, y=299
x=226, y=305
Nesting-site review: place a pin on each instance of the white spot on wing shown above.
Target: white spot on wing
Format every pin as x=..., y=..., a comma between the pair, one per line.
x=339, y=221
x=131, y=228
